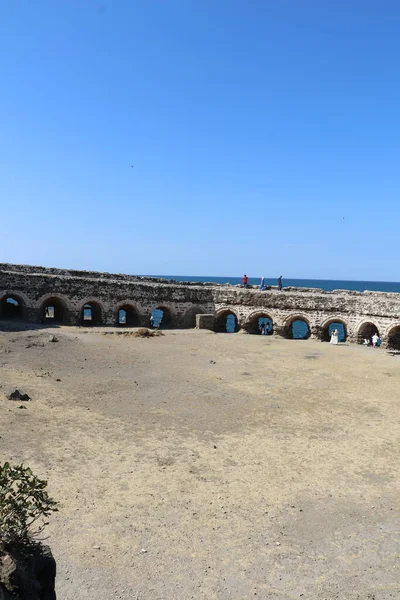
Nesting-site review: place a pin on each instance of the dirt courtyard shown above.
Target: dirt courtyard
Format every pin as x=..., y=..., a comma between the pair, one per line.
x=200, y=465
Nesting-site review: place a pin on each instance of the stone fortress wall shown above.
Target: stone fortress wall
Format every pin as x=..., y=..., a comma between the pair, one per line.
x=69, y=291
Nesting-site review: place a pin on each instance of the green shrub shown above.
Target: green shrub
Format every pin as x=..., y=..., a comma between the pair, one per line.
x=24, y=505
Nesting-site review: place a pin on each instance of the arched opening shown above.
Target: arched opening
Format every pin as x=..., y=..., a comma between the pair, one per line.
x=189, y=320
x=161, y=318
x=226, y=322
x=297, y=329
x=54, y=311
x=260, y=324
x=127, y=316
x=393, y=341
x=329, y=327
x=91, y=314
x=365, y=333
x=11, y=307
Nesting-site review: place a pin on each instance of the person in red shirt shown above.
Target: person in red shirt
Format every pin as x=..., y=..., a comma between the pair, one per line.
x=245, y=280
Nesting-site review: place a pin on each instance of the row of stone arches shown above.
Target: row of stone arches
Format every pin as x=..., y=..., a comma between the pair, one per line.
x=298, y=327
x=55, y=309
x=127, y=315
x=261, y=323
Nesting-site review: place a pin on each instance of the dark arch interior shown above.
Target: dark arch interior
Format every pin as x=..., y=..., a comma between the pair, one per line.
x=227, y=322
x=189, y=320
x=161, y=317
x=394, y=338
x=91, y=314
x=10, y=307
x=327, y=331
x=54, y=311
x=298, y=329
x=127, y=316
x=260, y=324
x=366, y=331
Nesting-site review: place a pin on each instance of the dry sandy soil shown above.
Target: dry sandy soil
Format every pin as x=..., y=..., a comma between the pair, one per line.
x=200, y=465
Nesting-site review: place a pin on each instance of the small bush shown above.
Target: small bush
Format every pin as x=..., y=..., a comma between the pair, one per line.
x=24, y=506
x=146, y=333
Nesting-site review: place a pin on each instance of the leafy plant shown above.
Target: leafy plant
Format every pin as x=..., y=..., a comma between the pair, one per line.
x=24, y=505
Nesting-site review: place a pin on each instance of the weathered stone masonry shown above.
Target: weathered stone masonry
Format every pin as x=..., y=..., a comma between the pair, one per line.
x=36, y=287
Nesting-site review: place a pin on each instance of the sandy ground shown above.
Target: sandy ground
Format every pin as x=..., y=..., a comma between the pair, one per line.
x=271, y=472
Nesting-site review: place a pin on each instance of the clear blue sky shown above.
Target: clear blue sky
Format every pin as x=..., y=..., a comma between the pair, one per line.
x=253, y=128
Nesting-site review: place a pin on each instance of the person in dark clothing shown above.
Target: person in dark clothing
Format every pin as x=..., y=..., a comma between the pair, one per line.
x=245, y=280
x=280, y=282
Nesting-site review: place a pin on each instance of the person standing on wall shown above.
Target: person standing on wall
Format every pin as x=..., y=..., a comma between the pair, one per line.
x=245, y=280
x=280, y=282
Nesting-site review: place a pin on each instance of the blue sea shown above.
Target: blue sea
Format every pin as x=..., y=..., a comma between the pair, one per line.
x=324, y=284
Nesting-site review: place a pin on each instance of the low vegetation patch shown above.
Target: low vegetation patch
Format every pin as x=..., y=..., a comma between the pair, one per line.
x=143, y=332
x=24, y=506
